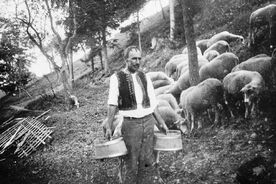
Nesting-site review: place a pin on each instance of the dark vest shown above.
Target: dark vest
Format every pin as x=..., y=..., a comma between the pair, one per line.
x=127, y=100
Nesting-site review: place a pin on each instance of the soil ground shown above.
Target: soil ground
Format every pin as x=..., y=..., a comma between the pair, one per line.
x=211, y=155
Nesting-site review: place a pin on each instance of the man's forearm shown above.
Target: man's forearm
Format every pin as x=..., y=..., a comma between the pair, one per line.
x=111, y=111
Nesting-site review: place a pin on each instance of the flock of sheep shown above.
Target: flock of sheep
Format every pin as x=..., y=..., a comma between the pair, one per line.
x=224, y=82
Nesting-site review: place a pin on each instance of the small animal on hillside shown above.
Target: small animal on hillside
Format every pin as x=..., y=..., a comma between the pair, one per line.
x=182, y=101
x=221, y=46
x=183, y=67
x=226, y=36
x=261, y=63
x=158, y=76
x=162, y=90
x=243, y=85
x=171, y=65
x=159, y=79
x=183, y=82
x=198, y=50
x=260, y=17
x=172, y=119
x=170, y=99
x=74, y=101
x=159, y=83
x=202, y=44
x=198, y=99
x=219, y=67
x=210, y=55
x=171, y=116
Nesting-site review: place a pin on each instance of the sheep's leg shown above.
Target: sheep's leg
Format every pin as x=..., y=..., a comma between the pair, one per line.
x=199, y=122
x=209, y=114
x=188, y=117
x=230, y=111
x=192, y=122
x=253, y=36
x=250, y=36
x=246, y=110
x=228, y=104
x=270, y=35
x=216, y=115
x=253, y=110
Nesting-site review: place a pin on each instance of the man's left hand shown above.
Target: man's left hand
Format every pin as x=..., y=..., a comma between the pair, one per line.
x=164, y=128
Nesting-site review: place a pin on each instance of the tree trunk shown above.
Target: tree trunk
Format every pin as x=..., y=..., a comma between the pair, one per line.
x=190, y=40
x=163, y=13
x=65, y=75
x=66, y=87
x=92, y=65
x=106, y=60
x=101, y=58
x=38, y=41
x=172, y=20
x=138, y=32
x=71, y=69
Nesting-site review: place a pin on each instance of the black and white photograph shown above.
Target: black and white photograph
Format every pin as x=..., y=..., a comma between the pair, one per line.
x=138, y=92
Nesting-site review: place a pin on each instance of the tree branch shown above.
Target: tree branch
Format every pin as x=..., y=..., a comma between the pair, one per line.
x=29, y=25
x=52, y=24
x=70, y=40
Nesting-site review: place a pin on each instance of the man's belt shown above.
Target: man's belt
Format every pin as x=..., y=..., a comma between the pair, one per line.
x=133, y=118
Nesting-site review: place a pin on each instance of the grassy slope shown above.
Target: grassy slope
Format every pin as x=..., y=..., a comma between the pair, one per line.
x=212, y=156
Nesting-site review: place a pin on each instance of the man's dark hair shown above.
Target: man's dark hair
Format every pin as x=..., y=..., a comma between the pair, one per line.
x=128, y=49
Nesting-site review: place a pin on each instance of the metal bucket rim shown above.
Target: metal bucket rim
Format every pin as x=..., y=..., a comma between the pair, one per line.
x=177, y=134
x=111, y=142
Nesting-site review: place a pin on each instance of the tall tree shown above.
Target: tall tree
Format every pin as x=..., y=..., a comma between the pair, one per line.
x=163, y=13
x=62, y=45
x=172, y=19
x=14, y=74
x=69, y=48
x=98, y=16
x=138, y=31
x=188, y=13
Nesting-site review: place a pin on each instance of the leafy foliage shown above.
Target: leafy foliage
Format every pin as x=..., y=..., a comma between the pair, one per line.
x=97, y=15
x=233, y=13
x=13, y=59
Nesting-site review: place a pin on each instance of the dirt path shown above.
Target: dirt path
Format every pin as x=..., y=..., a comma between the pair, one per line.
x=213, y=155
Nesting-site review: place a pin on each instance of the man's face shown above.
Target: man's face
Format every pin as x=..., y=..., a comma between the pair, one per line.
x=133, y=61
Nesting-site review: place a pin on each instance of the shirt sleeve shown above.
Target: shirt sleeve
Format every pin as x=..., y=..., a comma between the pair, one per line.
x=113, y=91
x=151, y=93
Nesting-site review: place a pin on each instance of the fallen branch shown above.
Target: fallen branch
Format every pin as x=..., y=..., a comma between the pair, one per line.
x=19, y=145
x=26, y=92
x=18, y=108
x=7, y=122
x=11, y=140
x=39, y=116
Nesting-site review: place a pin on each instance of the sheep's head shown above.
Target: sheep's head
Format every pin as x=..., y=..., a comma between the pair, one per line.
x=250, y=91
x=241, y=39
x=182, y=125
